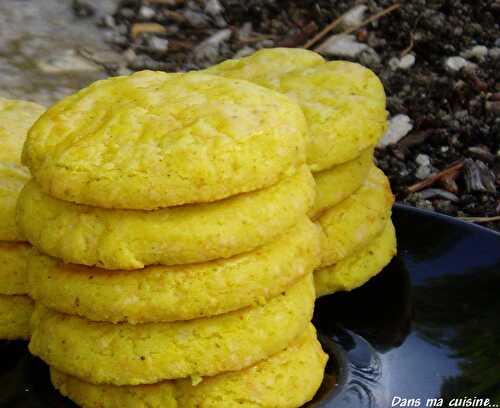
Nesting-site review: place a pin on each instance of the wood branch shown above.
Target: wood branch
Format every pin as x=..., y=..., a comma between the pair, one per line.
x=455, y=167
x=481, y=219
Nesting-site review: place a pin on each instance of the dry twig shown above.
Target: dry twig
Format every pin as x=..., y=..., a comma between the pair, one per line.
x=324, y=32
x=338, y=20
x=435, y=177
x=481, y=219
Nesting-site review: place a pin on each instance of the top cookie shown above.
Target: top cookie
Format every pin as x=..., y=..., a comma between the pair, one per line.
x=266, y=66
x=16, y=117
x=343, y=102
x=154, y=139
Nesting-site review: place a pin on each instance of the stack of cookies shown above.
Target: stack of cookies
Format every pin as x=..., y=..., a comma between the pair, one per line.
x=16, y=117
x=176, y=257
x=344, y=105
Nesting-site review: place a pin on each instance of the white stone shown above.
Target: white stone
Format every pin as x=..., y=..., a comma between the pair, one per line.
x=208, y=50
x=423, y=160
x=399, y=126
x=407, y=61
x=423, y=172
x=341, y=45
x=354, y=17
x=146, y=12
x=494, y=53
x=479, y=52
x=455, y=64
x=404, y=63
x=67, y=61
x=213, y=7
x=158, y=44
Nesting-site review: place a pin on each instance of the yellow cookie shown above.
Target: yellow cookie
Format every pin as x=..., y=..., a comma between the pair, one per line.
x=15, y=315
x=344, y=105
x=336, y=184
x=344, y=102
x=131, y=239
x=168, y=293
x=298, y=370
x=358, y=268
x=266, y=66
x=156, y=139
x=357, y=220
x=16, y=117
x=125, y=354
x=13, y=259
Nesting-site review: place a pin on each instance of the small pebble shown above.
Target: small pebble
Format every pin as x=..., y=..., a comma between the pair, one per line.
x=455, y=64
x=423, y=172
x=213, y=7
x=157, y=44
x=437, y=192
x=423, y=160
x=399, y=126
x=341, y=45
x=146, y=12
x=354, y=17
x=478, y=52
x=404, y=63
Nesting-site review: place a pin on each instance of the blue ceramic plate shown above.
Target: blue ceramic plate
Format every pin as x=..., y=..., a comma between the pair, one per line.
x=424, y=331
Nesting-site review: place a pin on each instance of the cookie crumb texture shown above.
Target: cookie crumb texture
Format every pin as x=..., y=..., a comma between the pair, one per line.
x=343, y=102
x=14, y=257
x=181, y=292
x=125, y=354
x=155, y=139
x=16, y=117
x=287, y=379
x=357, y=220
x=355, y=270
x=337, y=183
x=15, y=315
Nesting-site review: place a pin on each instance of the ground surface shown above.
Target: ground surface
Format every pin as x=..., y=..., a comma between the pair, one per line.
x=439, y=61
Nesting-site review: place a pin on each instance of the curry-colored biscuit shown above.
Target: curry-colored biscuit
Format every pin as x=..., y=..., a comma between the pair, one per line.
x=16, y=117
x=156, y=139
x=125, y=354
x=343, y=102
x=357, y=220
x=358, y=268
x=15, y=315
x=344, y=105
x=266, y=66
x=287, y=379
x=339, y=182
x=131, y=239
x=13, y=260
x=169, y=293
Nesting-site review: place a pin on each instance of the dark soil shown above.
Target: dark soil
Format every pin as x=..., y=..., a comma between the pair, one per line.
x=455, y=114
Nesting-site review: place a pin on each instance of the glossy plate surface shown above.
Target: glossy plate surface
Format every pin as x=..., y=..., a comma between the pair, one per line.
x=427, y=327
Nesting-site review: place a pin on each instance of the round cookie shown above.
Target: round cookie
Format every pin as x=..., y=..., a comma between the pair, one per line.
x=131, y=239
x=16, y=117
x=156, y=139
x=358, y=268
x=343, y=102
x=13, y=260
x=344, y=105
x=298, y=370
x=357, y=220
x=15, y=315
x=125, y=354
x=266, y=66
x=169, y=293
x=336, y=184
